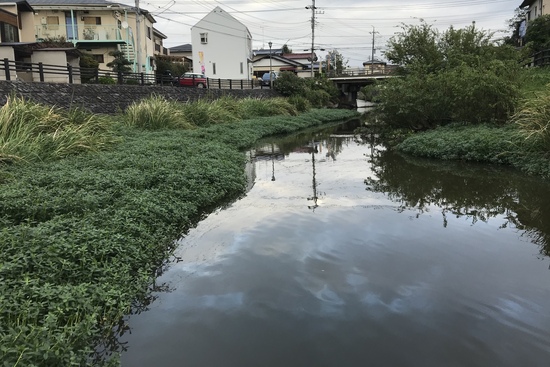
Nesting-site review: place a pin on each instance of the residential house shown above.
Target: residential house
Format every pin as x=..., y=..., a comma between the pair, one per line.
x=374, y=66
x=304, y=58
x=222, y=46
x=536, y=8
x=277, y=64
x=258, y=54
x=96, y=27
x=158, y=41
x=185, y=52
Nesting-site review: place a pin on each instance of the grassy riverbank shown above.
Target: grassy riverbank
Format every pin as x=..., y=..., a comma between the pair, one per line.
x=522, y=142
x=82, y=236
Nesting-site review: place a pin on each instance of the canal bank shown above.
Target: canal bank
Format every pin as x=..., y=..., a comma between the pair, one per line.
x=82, y=238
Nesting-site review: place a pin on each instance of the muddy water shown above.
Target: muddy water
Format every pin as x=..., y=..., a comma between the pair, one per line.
x=344, y=254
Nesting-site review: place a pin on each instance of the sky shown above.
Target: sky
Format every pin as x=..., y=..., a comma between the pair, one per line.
x=344, y=25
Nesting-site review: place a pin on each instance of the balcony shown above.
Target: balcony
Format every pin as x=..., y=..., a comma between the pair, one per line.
x=82, y=33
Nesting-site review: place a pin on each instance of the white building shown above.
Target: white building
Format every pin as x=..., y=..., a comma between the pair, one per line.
x=222, y=46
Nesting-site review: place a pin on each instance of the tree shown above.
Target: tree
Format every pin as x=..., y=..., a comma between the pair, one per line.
x=538, y=33
x=335, y=62
x=286, y=49
x=120, y=63
x=516, y=27
x=458, y=75
x=416, y=46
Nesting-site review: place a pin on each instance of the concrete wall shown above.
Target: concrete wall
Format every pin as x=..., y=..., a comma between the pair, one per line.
x=6, y=53
x=110, y=99
x=50, y=57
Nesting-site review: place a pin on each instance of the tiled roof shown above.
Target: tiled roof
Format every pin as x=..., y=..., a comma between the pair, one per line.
x=182, y=48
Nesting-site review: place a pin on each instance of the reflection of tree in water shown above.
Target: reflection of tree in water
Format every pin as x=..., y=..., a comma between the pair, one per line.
x=333, y=144
x=466, y=190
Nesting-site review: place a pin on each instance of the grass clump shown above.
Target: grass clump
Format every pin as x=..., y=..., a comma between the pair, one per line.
x=31, y=132
x=533, y=119
x=156, y=113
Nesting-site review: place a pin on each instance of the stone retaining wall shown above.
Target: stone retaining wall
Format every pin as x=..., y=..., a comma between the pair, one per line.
x=110, y=99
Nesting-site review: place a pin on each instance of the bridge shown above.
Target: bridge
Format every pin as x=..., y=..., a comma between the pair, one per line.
x=350, y=81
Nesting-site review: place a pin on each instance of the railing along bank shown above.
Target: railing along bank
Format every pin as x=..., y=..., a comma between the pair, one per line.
x=38, y=72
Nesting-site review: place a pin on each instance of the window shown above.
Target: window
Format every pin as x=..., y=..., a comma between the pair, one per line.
x=204, y=38
x=149, y=32
x=52, y=20
x=99, y=58
x=92, y=20
x=214, y=68
x=9, y=33
x=242, y=68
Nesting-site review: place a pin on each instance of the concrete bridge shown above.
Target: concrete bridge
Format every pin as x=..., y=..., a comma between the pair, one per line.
x=351, y=81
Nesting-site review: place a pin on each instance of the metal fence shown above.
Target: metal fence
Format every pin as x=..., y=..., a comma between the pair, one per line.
x=39, y=72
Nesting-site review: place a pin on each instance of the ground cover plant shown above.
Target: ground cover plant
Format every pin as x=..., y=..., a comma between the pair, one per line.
x=82, y=237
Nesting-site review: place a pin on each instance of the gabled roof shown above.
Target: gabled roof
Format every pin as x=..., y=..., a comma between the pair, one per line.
x=282, y=59
x=260, y=52
x=159, y=33
x=182, y=48
x=220, y=11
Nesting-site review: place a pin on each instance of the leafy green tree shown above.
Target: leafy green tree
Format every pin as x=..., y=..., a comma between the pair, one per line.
x=416, y=46
x=120, y=63
x=458, y=75
x=538, y=33
x=335, y=62
x=286, y=49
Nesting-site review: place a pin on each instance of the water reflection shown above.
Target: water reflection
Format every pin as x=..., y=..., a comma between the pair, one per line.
x=311, y=269
x=476, y=192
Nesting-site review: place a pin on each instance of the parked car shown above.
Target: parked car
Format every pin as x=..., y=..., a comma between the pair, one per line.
x=193, y=80
x=265, y=81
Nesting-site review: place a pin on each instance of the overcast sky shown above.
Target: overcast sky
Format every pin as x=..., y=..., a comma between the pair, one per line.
x=345, y=25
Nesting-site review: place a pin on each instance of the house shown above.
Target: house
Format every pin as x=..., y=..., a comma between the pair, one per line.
x=95, y=27
x=185, y=53
x=374, y=66
x=277, y=64
x=536, y=8
x=222, y=46
x=258, y=54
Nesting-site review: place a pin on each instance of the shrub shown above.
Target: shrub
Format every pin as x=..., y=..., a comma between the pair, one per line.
x=301, y=103
x=289, y=84
x=106, y=80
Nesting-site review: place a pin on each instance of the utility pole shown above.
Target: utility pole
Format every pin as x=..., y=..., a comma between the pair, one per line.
x=312, y=7
x=138, y=36
x=372, y=54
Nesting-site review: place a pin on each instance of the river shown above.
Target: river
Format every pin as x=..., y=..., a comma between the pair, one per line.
x=345, y=254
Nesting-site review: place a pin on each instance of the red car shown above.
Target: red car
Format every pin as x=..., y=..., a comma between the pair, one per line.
x=192, y=80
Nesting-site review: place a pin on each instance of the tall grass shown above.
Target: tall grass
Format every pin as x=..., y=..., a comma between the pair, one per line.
x=30, y=131
x=533, y=119
x=156, y=113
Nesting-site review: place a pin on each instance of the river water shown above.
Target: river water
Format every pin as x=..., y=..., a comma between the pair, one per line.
x=345, y=254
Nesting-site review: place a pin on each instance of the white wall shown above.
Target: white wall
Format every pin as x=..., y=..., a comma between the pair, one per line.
x=50, y=58
x=228, y=46
x=6, y=53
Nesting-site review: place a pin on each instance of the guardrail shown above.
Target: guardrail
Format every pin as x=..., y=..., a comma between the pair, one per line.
x=39, y=72
x=541, y=58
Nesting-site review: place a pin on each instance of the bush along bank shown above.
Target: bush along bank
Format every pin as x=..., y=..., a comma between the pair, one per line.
x=82, y=237
x=461, y=96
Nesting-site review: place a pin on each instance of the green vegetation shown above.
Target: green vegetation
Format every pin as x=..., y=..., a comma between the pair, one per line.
x=460, y=96
x=455, y=76
x=318, y=91
x=82, y=237
x=32, y=132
